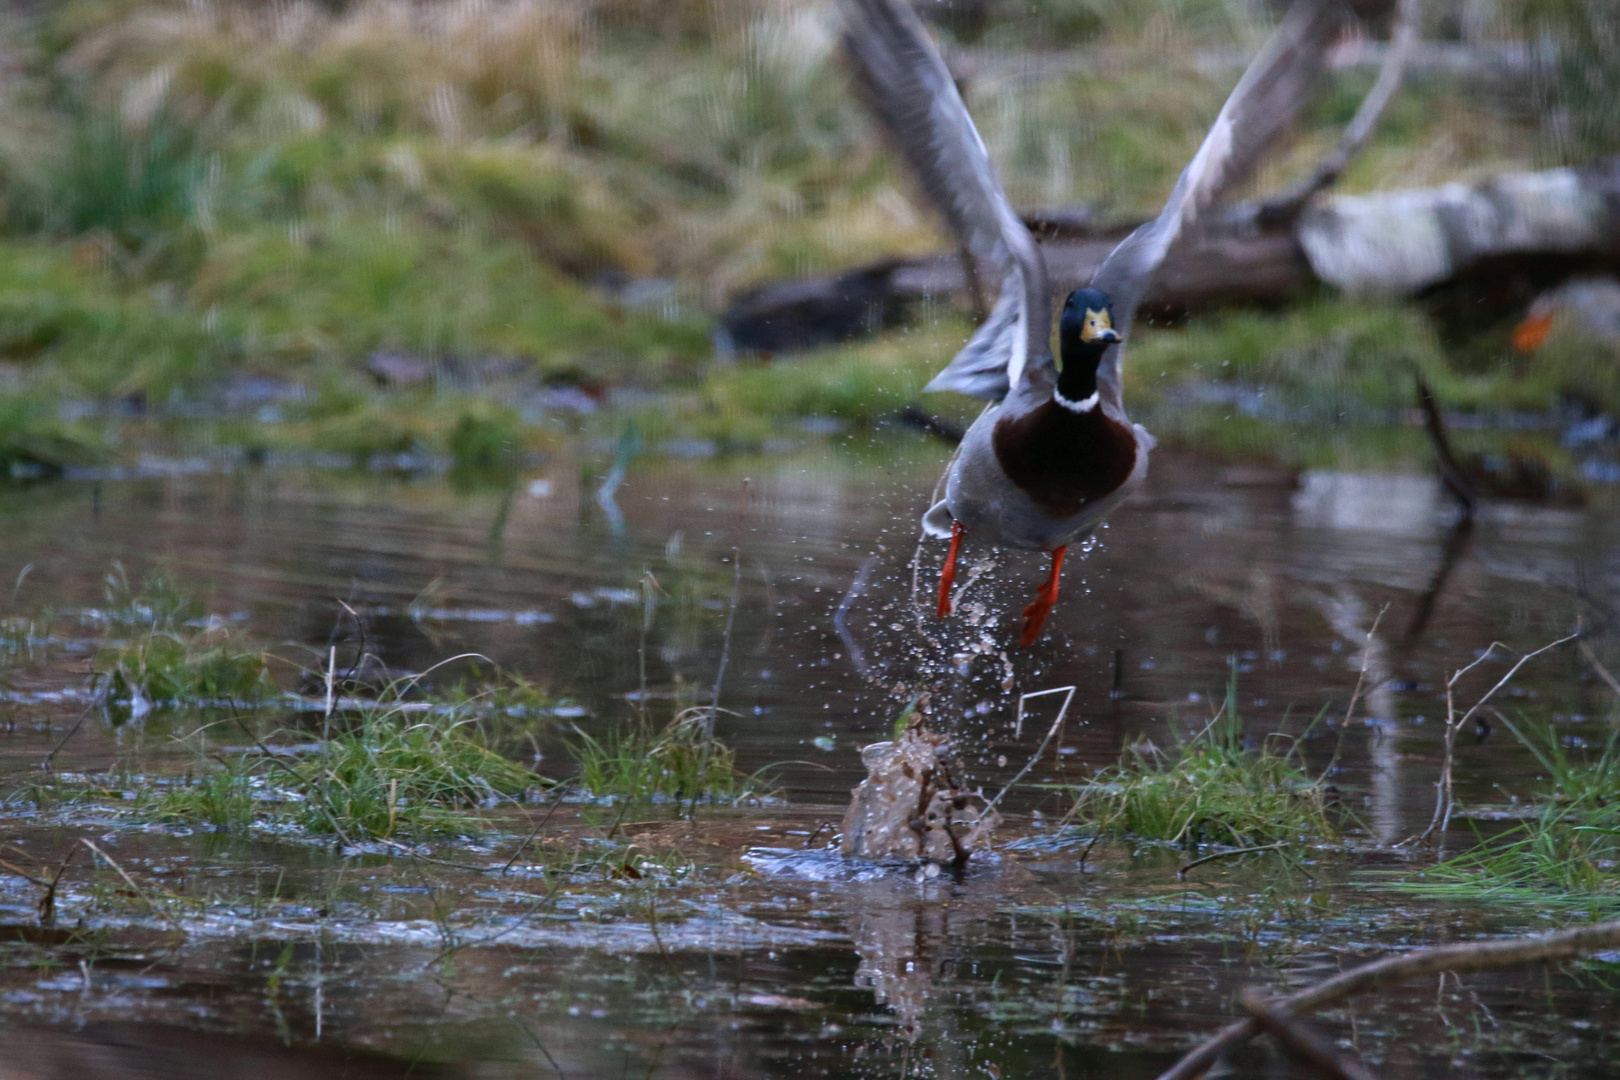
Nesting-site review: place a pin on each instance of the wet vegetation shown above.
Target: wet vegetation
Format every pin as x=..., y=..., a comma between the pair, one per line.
x=409, y=270
x=1565, y=851
x=1215, y=788
x=682, y=762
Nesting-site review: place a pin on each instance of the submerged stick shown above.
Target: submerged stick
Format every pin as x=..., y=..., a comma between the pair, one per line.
x=1458, y=959
x=161, y=911
x=1597, y=665
x=1182, y=873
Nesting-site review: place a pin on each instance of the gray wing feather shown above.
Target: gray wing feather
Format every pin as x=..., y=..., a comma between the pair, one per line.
x=1259, y=110
x=908, y=87
x=980, y=369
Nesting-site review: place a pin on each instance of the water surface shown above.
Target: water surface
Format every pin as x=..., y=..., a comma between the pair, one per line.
x=776, y=958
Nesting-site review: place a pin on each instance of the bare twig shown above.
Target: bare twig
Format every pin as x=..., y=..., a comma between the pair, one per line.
x=50, y=758
x=1451, y=473
x=1444, y=803
x=1283, y=209
x=1303, y=1043
x=1355, y=695
x=47, y=903
x=25, y=875
x=547, y=1053
x=1050, y=734
x=1461, y=958
x=562, y=789
x=1597, y=666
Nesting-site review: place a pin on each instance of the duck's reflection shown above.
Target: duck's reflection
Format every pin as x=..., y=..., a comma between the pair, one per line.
x=911, y=932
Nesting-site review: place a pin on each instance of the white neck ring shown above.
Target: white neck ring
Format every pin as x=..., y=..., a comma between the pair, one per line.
x=1085, y=406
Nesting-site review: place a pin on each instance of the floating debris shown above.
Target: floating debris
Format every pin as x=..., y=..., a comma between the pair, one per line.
x=913, y=806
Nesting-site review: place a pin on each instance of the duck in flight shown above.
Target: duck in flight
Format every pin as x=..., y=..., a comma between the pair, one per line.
x=1054, y=451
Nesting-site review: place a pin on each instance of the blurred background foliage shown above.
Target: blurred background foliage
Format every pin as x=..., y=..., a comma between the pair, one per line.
x=191, y=190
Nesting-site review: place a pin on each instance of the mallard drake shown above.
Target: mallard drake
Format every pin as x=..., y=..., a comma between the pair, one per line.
x=1054, y=451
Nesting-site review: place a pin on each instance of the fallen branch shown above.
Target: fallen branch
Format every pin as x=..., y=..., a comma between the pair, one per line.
x=1300, y=1040
x=1458, y=959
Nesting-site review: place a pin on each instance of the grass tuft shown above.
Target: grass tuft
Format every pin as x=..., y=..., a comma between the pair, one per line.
x=402, y=772
x=226, y=799
x=1215, y=791
x=1568, y=854
x=684, y=761
x=173, y=654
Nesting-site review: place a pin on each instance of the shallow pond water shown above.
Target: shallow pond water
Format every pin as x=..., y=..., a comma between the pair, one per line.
x=744, y=948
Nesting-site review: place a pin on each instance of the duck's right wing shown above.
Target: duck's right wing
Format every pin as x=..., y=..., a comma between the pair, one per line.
x=906, y=84
x=1260, y=108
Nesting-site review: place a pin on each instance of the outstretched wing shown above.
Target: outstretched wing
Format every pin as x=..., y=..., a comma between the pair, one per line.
x=905, y=82
x=1260, y=108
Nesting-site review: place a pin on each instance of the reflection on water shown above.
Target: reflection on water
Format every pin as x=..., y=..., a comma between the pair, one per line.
x=1031, y=965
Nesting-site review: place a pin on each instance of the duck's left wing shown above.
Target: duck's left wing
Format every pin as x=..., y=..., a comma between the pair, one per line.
x=906, y=84
x=1260, y=108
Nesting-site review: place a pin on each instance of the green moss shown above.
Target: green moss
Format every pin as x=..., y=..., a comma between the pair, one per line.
x=34, y=444
x=339, y=290
x=167, y=668
x=1336, y=358
x=862, y=384
x=81, y=330
x=1576, y=366
x=486, y=444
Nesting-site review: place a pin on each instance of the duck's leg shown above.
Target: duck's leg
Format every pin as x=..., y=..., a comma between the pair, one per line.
x=947, y=573
x=1035, y=615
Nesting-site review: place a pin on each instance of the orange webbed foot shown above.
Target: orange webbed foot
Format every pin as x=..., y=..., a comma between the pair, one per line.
x=947, y=573
x=1035, y=615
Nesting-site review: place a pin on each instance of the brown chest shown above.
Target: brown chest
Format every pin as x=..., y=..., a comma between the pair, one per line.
x=1063, y=460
